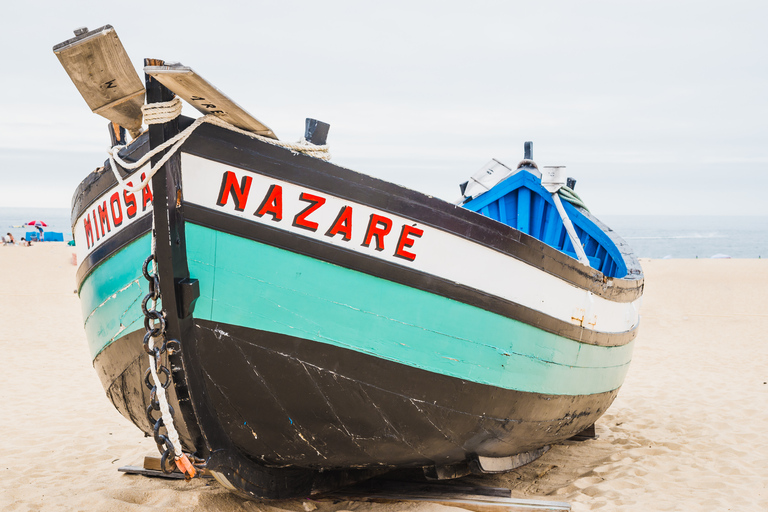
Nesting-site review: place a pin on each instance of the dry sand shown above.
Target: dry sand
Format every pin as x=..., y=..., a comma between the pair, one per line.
x=687, y=431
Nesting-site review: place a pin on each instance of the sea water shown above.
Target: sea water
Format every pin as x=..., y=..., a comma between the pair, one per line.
x=650, y=236
x=653, y=236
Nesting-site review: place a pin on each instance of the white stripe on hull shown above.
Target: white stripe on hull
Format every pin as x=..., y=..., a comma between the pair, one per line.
x=420, y=247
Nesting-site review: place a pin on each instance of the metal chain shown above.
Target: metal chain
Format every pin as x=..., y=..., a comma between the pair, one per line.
x=154, y=323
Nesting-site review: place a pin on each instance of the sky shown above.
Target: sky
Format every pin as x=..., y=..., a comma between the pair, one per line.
x=654, y=107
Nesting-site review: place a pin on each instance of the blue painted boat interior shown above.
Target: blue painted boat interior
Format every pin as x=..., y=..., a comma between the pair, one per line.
x=522, y=202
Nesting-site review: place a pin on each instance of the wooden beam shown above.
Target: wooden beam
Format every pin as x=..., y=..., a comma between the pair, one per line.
x=206, y=98
x=454, y=494
x=101, y=70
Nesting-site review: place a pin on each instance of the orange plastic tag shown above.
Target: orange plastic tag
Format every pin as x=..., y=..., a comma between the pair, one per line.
x=186, y=466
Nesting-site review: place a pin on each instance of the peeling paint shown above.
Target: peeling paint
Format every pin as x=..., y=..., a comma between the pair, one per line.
x=114, y=296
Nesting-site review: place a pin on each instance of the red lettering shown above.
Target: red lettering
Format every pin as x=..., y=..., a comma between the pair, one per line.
x=342, y=224
x=117, y=218
x=89, y=241
x=378, y=227
x=130, y=202
x=103, y=217
x=406, y=241
x=96, y=224
x=146, y=194
x=272, y=204
x=315, y=202
x=240, y=192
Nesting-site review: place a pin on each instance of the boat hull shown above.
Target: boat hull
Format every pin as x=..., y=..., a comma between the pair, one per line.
x=344, y=324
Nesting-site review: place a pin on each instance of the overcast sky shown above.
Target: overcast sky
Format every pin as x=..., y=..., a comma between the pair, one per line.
x=654, y=107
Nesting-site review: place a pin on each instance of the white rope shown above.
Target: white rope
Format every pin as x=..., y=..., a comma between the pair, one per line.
x=165, y=410
x=570, y=229
x=162, y=111
x=163, y=115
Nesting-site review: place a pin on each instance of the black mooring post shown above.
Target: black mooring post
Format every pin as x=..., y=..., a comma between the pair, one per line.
x=316, y=131
x=163, y=197
x=170, y=251
x=528, y=152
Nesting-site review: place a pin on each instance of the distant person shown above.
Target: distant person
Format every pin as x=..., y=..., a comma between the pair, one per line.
x=8, y=239
x=25, y=243
x=40, y=229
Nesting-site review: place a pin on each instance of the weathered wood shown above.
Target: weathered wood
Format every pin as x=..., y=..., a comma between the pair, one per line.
x=153, y=463
x=101, y=70
x=138, y=470
x=483, y=465
x=499, y=504
x=446, y=472
x=116, y=134
x=206, y=98
x=475, y=498
x=152, y=467
x=384, y=486
x=587, y=433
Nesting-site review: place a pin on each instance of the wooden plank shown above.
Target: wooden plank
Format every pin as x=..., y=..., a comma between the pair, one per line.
x=445, y=489
x=206, y=98
x=475, y=498
x=101, y=70
x=501, y=504
x=152, y=468
x=505, y=464
x=587, y=433
x=478, y=504
x=138, y=470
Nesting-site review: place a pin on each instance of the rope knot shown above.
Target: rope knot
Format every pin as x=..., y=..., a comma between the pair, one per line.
x=161, y=112
x=527, y=163
x=155, y=113
x=318, y=151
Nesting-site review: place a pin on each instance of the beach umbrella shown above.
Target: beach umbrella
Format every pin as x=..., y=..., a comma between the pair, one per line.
x=37, y=223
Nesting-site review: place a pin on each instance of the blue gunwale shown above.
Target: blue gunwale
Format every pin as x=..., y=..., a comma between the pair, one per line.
x=520, y=201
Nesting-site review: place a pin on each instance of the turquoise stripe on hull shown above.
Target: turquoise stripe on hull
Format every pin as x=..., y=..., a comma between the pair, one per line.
x=111, y=296
x=250, y=284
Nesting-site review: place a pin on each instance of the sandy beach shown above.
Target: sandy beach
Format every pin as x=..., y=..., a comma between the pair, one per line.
x=686, y=432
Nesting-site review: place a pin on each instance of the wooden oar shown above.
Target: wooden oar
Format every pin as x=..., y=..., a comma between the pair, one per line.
x=101, y=70
x=206, y=98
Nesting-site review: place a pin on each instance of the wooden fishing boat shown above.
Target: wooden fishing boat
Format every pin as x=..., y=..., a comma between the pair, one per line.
x=322, y=325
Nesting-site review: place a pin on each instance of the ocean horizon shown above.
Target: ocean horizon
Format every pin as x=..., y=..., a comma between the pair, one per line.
x=651, y=236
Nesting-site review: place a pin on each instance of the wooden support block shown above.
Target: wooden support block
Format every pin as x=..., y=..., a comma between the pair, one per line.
x=447, y=472
x=484, y=465
x=587, y=433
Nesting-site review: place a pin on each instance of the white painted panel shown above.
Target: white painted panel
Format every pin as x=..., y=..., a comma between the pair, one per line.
x=109, y=215
x=435, y=252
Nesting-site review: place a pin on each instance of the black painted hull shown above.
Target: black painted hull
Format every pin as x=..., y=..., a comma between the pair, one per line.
x=354, y=410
